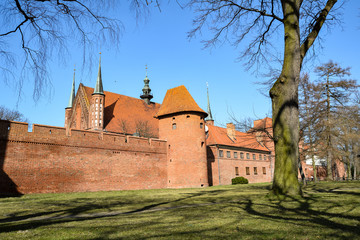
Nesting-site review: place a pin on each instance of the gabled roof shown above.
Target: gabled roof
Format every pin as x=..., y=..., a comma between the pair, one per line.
x=178, y=100
x=123, y=114
x=218, y=136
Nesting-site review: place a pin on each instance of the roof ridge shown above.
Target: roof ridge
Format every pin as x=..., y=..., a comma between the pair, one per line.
x=121, y=95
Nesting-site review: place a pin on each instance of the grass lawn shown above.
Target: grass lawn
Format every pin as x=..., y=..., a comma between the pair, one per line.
x=329, y=210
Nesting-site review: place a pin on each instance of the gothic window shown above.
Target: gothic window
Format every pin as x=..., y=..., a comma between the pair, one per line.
x=247, y=171
x=255, y=170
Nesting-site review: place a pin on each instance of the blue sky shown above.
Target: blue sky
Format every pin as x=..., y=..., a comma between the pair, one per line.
x=161, y=42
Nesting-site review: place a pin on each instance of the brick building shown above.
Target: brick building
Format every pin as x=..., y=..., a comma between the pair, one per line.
x=115, y=142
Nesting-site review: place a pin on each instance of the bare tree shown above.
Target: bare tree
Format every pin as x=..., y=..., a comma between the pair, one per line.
x=43, y=29
x=144, y=129
x=11, y=115
x=310, y=108
x=257, y=21
x=335, y=92
x=348, y=139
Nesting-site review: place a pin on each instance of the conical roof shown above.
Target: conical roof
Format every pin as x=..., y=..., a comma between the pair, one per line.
x=72, y=94
x=99, y=86
x=209, y=117
x=178, y=100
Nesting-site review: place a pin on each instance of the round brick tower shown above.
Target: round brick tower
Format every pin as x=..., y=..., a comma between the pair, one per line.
x=97, y=104
x=181, y=123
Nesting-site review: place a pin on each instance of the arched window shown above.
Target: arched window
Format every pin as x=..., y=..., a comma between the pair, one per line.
x=174, y=126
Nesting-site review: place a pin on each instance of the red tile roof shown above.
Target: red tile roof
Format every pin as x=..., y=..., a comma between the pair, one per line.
x=218, y=136
x=178, y=100
x=123, y=114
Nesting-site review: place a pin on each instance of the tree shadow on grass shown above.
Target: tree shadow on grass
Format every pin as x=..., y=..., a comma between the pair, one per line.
x=82, y=210
x=313, y=211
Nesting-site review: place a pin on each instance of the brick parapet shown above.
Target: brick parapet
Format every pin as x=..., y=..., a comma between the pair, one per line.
x=43, y=134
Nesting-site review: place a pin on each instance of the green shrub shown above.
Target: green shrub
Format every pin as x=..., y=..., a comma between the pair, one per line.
x=239, y=180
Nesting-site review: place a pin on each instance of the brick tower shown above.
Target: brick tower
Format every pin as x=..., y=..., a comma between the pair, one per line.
x=97, y=101
x=68, y=109
x=181, y=123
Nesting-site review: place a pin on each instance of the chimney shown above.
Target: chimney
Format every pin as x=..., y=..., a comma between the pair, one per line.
x=230, y=127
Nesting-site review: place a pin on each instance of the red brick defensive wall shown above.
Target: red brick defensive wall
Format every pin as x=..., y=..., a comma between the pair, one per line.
x=50, y=160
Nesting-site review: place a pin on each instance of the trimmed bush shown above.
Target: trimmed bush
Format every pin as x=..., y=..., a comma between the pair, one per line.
x=239, y=180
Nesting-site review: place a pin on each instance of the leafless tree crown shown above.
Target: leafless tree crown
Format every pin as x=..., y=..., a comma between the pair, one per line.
x=41, y=29
x=256, y=23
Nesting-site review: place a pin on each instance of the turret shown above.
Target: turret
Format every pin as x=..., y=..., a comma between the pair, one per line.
x=146, y=96
x=97, y=103
x=181, y=123
x=68, y=109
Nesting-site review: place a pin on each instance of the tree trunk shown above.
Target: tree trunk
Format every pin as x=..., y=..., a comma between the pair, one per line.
x=314, y=167
x=284, y=96
x=354, y=176
x=329, y=174
x=302, y=174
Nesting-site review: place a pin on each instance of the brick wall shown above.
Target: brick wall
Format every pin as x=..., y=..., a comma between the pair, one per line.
x=47, y=160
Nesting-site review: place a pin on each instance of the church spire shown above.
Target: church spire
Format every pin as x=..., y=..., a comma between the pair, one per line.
x=147, y=95
x=209, y=117
x=72, y=94
x=99, y=86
